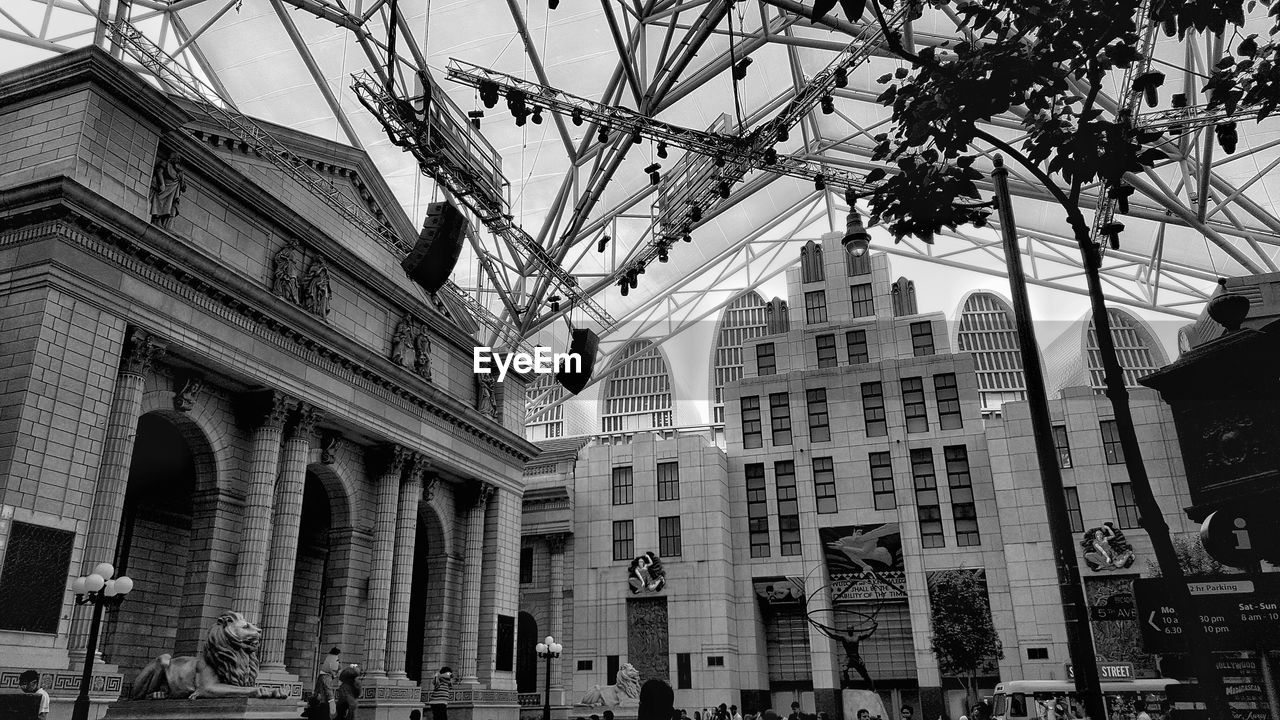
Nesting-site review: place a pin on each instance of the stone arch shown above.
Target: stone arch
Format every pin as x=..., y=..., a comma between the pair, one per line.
x=204, y=429
x=429, y=601
x=527, y=636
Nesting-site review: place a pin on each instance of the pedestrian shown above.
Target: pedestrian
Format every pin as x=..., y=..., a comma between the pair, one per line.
x=322, y=704
x=348, y=693
x=733, y=713
x=795, y=712
x=29, y=681
x=441, y=693
x=1140, y=707
x=907, y=712
x=657, y=701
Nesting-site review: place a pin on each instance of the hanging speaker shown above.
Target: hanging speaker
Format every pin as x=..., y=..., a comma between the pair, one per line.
x=439, y=243
x=584, y=344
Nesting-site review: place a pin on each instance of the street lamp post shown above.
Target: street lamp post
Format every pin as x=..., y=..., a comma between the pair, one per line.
x=548, y=649
x=99, y=589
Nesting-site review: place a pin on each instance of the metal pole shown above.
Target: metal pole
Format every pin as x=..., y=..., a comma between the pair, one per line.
x=81, y=709
x=546, y=700
x=1074, y=611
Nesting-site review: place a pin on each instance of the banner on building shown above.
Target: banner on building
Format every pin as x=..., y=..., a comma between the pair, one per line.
x=864, y=562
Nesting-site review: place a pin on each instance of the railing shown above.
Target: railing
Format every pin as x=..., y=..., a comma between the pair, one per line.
x=533, y=699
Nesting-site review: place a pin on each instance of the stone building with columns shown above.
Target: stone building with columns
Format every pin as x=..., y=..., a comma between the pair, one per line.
x=211, y=379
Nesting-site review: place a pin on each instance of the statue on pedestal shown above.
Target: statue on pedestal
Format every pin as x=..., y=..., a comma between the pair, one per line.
x=626, y=691
x=167, y=185
x=227, y=666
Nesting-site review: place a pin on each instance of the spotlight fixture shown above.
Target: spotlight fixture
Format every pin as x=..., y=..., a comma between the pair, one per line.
x=537, y=116
x=636, y=138
x=1121, y=194
x=687, y=237
x=695, y=212
x=770, y=156
x=1148, y=83
x=842, y=77
x=521, y=120
x=625, y=284
x=662, y=150
x=819, y=182
x=740, y=68
x=554, y=301
x=603, y=137
x=1227, y=136
x=654, y=176
x=783, y=133
x=828, y=105
x=1111, y=231
x=488, y=93
x=662, y=253
x=1179, y=100
x=475, y=116
x=576, y=116
x=604, y=243
x=635, y=277
x=553, y=4
x=724, y=189
x=719, y=161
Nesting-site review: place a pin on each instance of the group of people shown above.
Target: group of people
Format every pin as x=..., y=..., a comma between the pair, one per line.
x=338, y=688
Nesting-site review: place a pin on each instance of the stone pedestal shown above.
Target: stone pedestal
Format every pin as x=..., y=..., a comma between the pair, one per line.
x=855, y=700
x=388, y=699
x=209, y=709
x=286, y=681
x=481, y=704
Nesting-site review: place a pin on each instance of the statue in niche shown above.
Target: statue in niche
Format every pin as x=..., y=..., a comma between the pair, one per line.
x=317, y=288
x=422, y=352
x=185, y=398
x=487, y=395
x=167, y=185
x=401, y=337
x=284, y=271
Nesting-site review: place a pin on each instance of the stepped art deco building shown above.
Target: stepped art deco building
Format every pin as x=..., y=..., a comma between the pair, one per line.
x=214, y=382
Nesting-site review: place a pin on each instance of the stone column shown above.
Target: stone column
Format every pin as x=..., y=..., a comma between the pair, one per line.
x=286, y=517
x=384, y=542
x=266, y=413
x=470, y=635
x=402, y=568
x=555, y=546
x=140, y=350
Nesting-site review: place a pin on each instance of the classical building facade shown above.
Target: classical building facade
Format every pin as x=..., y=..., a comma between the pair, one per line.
x=216, y=383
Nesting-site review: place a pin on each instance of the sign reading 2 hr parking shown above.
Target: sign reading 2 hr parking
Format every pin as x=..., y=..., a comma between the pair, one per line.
x=1237, y=613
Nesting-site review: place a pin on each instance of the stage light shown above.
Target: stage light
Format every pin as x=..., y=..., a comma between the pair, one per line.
x=828, y=105
x=770, y=156
x=1227, y=137
x=783, y=133
x=636, y=138
x=687, y=237
x=1148, y=83
x=724, y=190
x=662, y=253
x=1111, y=231
x=553, y=4
x=842, y=77
x=488, y=93
x=475, y=116
x=537, y=116
x=856, y=238
x=662, y=150
x=695, y=212
x=819, y=182
x=604, y=243
x=554, y=301
x=654, y=176
x=576, y=116
x=603, y=136
x=740, y=68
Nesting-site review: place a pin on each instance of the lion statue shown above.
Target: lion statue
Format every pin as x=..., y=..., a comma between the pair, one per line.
x=627, y=691
x=227, y=666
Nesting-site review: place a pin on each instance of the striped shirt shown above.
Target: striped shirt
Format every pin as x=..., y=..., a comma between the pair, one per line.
x=441, y=691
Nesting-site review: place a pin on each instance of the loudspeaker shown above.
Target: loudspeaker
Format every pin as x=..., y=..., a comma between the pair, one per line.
x=435, y=254
x=584, y=342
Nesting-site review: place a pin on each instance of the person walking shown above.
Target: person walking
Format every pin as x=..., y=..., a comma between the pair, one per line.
x=441, y=693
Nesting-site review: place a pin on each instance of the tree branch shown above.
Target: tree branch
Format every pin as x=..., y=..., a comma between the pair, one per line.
x=1076, y=218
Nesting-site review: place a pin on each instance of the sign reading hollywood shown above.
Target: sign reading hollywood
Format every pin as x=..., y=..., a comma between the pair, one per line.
x=864, y=562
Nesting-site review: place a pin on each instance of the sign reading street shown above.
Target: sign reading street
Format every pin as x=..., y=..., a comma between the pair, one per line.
x=1237, y=613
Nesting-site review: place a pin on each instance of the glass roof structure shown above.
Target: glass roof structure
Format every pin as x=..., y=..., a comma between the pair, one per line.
x=1201, y=215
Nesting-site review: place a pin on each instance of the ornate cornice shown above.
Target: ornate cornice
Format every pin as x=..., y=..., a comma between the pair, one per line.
x=212, y=288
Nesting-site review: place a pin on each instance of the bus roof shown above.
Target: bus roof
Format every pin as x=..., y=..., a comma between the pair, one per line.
x=1068, y=686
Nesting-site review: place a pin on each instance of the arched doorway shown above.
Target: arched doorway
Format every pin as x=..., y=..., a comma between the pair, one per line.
x=311, y=581
x=526, y=653
x=155, y=542
x=425, y=594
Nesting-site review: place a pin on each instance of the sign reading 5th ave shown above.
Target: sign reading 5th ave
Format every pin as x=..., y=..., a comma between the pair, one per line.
x=1236, y=614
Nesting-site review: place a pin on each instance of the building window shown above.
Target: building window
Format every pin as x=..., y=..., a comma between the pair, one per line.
x=863, y=303
x=715, y=661
x=1126, y=508
x=927, y=503
x=526, y=565
x=669, y=536
x=882, y=481
x=855, y=265
x=913, y=405
x=1061, y=446
x=622, y=485
x=757, y=511
x=784, y=473
x=827, y=351
x=962, y=506
x=766, y=362
x=33, y=581
x=624, y=540
x=948, y=395
x=780, y=418
x=815, y=307
x=1037, y=653
x=668, y=481
x=1074, y=516
x=855, y=341
x=585, y=665
x=752, y=435
x=684, y=671
x=824, y=484
x=1111, y=448
x=611, y=665
x=873, y=409
x=819, y=422
x=922, y=338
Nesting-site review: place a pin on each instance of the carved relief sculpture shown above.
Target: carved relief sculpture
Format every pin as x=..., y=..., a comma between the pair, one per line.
x=167, y=185
x=227, y=666
x=317, y=289
x=422, y=352
x=400, y=339
x=284, y=271
x=329, y=448
x=188, y=392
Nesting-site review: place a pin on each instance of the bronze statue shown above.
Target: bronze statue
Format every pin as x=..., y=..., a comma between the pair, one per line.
x=850, y=639
x=400, y=339
x=284, y=271
x=167, y=185
x=317, y=288
x=422, y=352
x=226, y=667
